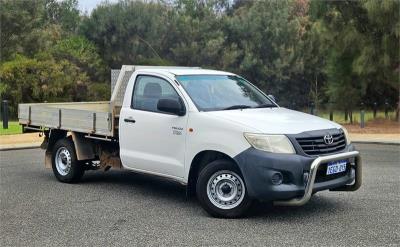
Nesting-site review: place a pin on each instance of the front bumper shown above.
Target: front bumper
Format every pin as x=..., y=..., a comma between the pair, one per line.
x=313, y=171
x=258, y=167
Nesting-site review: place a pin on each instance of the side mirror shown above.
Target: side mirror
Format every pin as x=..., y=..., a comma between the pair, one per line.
x=271, y=97
x=171, y=106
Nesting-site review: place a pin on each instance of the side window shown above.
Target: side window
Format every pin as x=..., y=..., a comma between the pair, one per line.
x=148, y=90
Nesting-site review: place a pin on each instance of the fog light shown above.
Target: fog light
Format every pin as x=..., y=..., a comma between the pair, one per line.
x=277, y=178
x=306, y=176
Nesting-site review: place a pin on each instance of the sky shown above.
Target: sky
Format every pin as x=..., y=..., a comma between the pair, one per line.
x=89, y=5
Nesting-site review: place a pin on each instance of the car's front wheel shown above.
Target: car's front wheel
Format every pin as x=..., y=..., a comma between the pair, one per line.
x=221, y=190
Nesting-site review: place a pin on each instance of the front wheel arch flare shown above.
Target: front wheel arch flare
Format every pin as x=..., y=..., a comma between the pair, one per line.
x=200, y=160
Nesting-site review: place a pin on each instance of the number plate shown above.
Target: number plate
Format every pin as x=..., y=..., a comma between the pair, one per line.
x=337, y=166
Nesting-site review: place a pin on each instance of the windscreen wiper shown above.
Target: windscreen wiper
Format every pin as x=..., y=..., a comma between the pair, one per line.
x=265, y=106
x=236, y=107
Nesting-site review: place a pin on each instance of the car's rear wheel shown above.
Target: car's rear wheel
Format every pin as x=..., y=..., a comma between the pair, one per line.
x=66, y=167
x=221, y=190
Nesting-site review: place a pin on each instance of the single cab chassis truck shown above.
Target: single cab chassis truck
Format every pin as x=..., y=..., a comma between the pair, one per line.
x=212, y=131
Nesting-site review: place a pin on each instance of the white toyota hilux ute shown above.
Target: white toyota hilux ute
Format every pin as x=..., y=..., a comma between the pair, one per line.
x=212, y=131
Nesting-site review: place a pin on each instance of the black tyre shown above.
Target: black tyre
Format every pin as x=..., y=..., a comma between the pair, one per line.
x=65, y=165
x=221, y=190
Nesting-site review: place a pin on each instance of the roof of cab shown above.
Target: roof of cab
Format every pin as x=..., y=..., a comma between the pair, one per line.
x=189, y=71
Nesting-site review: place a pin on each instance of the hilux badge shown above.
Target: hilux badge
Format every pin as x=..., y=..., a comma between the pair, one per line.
x=328, y=139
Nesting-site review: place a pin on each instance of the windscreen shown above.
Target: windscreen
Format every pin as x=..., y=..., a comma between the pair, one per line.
x=223, y=92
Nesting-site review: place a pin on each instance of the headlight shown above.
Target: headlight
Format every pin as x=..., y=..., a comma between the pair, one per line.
x=346, y=135
x=270, y=143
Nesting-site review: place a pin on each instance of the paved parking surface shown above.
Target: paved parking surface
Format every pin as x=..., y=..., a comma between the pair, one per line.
x=120, y=208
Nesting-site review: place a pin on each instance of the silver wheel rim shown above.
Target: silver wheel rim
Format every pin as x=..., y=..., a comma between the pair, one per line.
x=63, y=161
x=225, y=189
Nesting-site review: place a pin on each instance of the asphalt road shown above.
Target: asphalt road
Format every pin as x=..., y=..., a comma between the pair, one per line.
x=120, y=208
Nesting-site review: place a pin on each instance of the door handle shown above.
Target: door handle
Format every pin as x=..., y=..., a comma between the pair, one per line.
x=129, y=120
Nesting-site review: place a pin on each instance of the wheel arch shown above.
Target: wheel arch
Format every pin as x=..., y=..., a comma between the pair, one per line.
x=51, y=137
x=199, y=161
x=84, y=148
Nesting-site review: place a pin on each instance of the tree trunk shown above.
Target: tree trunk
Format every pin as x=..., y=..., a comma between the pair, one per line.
x=351, y=116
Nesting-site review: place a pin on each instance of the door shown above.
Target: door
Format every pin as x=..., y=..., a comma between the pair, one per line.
x=151, y=140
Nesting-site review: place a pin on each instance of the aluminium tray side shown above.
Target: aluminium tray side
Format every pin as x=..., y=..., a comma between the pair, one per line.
x=58, y=117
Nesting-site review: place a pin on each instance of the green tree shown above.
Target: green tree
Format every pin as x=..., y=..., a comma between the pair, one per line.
x=29, y=27
x=34, y=80
x=196, y=33
x=363, y=50
x=64, y=13
x=266, y=39
x=128, y=32
x=38, y=41
x=20, y=27
x=81, y=52
x=344, y=52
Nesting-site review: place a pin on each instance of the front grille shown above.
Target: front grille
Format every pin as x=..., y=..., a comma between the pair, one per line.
x=316, y=145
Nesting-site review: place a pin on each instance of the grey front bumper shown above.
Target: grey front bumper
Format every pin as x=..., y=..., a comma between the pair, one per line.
x=313, y=172
x=258, y=167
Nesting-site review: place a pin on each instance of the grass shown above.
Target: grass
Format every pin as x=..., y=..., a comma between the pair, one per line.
x=13, y=128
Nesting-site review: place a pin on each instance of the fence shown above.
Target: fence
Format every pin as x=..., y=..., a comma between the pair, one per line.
x=361, y=116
